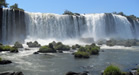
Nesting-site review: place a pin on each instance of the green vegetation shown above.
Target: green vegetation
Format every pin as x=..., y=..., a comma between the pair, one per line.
x=75, y=46
x=33, y=44
x=3, y=3
x=18, y=45
x=14, y=50
x=52, y=47
x=67, y=12
x=138, y=71
x=81, y=54
x=0, y=59
x=87, y=51
x=46, y=49
x=112, y=70
x=15, y=7
x=8, y=48
x=93, y=50
x=60, y=46
x=130, y=17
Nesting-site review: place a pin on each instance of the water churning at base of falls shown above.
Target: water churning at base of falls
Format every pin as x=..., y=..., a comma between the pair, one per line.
x=18, y=26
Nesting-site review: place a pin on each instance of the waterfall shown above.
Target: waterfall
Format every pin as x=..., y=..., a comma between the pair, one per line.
x=19, y=25
x=46, y=26
x=13, y=26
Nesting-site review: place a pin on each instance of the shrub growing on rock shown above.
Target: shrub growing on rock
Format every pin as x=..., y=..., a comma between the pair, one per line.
x=73, y=47
x=94, y=50
x=60, y=46
x=14, y=50
x=87, y=51
x=18, y=45
x=112, y=70
x=0, y=59
x=33, y=44
x=46, y=49
x=81, y=54
x=8, y=48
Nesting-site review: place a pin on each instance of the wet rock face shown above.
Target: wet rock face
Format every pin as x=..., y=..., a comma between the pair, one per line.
x=75, y=73
x=3, y=62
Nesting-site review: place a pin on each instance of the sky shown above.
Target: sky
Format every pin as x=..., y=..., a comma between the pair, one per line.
x=129, y=7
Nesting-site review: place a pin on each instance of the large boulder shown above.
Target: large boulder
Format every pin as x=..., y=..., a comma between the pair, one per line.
x=14, y=50
x=46, y=49
x=81, y=54
x=8, y=48
x=75, y=73
x=11, y=73
x=33, y=44
x=61, y=46
x=3, y=62
x=18, y=45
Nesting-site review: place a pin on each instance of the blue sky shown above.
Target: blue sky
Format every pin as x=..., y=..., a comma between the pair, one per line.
x=80, y=6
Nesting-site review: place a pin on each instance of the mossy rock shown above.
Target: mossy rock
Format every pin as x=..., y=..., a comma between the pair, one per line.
x=46, y=49
x=33, y=44
x=112, y=70
x=60, y=46
x=74, y=47
x=92, y=49
x=18, y=45
x=0, y=59
x=81, y=54
x=9, y=48
x=14, y=50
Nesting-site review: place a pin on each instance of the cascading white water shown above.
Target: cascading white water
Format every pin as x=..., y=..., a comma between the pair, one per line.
x=46, y=26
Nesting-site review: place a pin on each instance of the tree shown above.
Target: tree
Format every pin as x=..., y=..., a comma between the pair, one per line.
x=3, y=3
x=121, y=13
x=67, y=12
x=15, y=7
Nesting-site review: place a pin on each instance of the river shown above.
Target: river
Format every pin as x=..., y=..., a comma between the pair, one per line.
x=61, y=63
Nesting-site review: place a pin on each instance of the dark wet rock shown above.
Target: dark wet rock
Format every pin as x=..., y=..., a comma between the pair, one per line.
x=1, y=44
x=11, y=73
x=36, y=53
x=14, y=50
x=102, y=50
x=75, y=73
x=3, y=62
x=27, y=49
x=60, y=51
